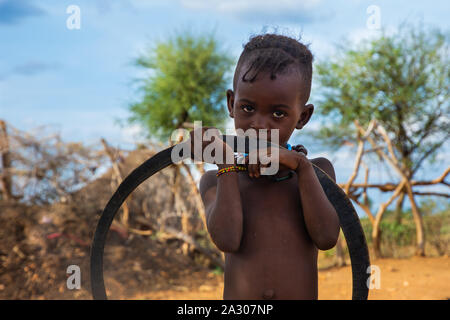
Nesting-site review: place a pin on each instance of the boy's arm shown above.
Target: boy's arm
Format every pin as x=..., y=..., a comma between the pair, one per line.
x=319, y=214
x=222, y=201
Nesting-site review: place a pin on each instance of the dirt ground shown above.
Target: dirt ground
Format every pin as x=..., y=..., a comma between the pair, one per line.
x=35, y=254
x=400, y=279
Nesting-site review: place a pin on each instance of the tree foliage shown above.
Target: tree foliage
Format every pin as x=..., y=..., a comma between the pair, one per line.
x=401, y=80
x=188, y=80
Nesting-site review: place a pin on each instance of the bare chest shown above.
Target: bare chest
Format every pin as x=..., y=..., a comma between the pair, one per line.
x=273, y=215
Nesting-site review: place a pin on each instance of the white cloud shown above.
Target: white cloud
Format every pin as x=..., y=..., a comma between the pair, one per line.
x=240, y=5
x=132, y=134
x=360, y=34
x=364, y=33
x=291, y=10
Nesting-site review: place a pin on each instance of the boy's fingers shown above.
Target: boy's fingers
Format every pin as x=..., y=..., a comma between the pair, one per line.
x=252, y=163
x=300, y=148
x=257, y=171
x=253, y=170
x=250, y=170
x=256, y=161
x=265, y=165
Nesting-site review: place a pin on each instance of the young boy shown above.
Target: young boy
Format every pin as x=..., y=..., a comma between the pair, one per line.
x=271, y=227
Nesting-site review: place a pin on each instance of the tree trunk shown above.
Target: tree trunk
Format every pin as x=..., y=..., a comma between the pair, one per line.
x=340, y=255
x=420, y=234
x=181, y=210
x=118, y=177
x=376, y=239
x=201, y=168
x=196, y=193
x=399, y=209
x=5, y=177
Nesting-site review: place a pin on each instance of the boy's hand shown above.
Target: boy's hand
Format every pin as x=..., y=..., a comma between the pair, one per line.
x=300, y=148
x=294, y=159
x=203, y=137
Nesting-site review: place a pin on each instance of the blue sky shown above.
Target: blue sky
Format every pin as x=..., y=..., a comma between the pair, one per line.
x=80, y=81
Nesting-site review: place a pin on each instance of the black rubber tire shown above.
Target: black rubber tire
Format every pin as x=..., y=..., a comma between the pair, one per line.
x=349, y=221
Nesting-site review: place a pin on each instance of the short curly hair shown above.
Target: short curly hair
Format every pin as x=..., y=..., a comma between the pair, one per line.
x=274, y=53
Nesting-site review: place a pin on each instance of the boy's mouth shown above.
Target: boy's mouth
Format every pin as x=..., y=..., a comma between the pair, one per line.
x=263, y=136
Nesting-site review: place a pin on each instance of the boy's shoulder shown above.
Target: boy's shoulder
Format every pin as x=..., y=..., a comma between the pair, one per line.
x=325, y=165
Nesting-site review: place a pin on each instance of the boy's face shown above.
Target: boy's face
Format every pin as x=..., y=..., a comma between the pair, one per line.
x=270, y=104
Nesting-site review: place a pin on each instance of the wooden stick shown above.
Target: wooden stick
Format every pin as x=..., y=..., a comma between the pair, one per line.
x=119, y=179
x=5, y=176
x=195, y=191
x=394, y=163
x=190, y=240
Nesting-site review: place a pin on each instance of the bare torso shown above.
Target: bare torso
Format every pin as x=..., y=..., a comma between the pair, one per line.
x=276, y=258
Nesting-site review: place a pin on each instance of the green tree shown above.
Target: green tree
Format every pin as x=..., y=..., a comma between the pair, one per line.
x=187, y=82
x=402, y=81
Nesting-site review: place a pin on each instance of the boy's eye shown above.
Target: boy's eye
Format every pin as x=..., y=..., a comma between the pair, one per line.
x=278, y=114
x=248, y=108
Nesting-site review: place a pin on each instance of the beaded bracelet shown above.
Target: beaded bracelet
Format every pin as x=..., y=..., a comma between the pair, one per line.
x=231, y=169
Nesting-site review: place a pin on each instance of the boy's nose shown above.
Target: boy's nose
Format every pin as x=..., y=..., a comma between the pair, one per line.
x=258, y=123
x=261, y=126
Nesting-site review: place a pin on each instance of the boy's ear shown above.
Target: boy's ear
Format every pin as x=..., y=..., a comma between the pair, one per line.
x=230, y=102
x=305, y=115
